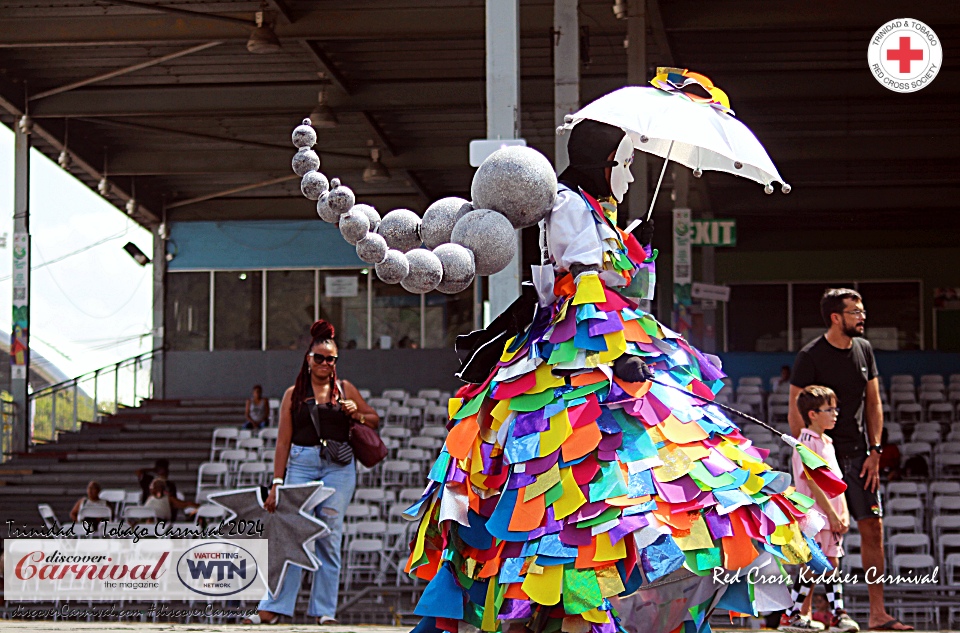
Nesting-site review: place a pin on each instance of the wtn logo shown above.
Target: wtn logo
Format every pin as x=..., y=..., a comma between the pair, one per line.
x=224, y=569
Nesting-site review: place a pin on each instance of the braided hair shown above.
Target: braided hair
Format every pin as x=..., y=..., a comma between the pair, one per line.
x=320, y=332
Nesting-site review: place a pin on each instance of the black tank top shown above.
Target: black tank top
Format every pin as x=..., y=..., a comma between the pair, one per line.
x=334, y=424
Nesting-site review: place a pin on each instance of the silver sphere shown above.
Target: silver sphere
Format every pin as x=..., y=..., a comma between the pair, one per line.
x=314, y=185
x=786, y=188
x=372, y=248
x=458, y=268
x=305, y=160
x=372, y=216
x=644, y=138
x=438, y=221
x=394, y=267
x=768, y=189
x=341, y=199
x=324, y=211
x=697, y=172
x=737, y=164
x=401, y=229
x=491, y=238
x=354, y=226
x=426, y=271
x=304, y=135
x=518, y=182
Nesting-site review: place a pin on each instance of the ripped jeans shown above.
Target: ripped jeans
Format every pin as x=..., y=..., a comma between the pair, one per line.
x=304, y=465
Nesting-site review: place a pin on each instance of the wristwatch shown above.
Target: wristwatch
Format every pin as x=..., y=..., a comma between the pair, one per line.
x=876, y=448
x=277, y=481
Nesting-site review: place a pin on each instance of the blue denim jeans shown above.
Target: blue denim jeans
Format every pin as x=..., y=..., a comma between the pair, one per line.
x=305, y=464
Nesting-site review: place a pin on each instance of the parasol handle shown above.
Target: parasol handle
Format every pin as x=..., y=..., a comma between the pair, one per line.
x=637, y=222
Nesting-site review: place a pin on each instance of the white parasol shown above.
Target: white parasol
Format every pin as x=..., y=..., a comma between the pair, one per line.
x=698, y=133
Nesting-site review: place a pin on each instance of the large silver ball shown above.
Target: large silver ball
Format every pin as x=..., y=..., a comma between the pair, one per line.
x=314, y=185
x=304, y=135
x=425, y=271
x=354, y=226
x=372, y=216
x=518, y=182
x=341, y=199
x=305, y=160
x=490, y=236
x=394, y=267
x=372, y=248
x=458, y=268
x=401, y=229
x=324, y=211
x=438, y=221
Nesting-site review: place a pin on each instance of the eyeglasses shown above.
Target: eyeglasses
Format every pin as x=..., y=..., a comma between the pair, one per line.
x=834, y=410
x=319, y=359
x=857, y=313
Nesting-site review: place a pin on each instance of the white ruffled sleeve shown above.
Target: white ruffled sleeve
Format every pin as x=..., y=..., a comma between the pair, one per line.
x=572, y=234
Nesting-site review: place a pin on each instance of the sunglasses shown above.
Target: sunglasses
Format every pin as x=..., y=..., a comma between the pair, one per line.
x=319, y=359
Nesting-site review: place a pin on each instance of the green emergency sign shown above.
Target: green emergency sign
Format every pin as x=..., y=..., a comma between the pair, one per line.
x=713, y=232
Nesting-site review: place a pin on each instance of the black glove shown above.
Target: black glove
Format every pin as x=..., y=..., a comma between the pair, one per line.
x=631, y=369
x=646, y=233
x=480, y=351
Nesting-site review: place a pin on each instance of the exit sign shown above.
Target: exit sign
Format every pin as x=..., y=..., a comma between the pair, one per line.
x=713, y=232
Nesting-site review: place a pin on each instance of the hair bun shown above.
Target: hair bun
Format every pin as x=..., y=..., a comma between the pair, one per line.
x=322, y=329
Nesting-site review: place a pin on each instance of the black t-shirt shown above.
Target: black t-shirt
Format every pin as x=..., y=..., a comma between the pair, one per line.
x=847, y=372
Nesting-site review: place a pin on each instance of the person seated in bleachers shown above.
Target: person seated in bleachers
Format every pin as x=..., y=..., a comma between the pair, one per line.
x=257, y=411
x=889, y=459
x=91, y=499
x=160, y=470
x=782, y=384
x=164, y=503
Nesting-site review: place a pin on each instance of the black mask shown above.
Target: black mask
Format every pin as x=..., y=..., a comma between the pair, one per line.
x=589, y=148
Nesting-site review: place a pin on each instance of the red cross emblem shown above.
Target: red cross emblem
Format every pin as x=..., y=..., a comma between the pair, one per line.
x=905, y=54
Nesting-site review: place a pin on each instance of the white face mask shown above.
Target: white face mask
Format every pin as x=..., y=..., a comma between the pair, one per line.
x=620, y=175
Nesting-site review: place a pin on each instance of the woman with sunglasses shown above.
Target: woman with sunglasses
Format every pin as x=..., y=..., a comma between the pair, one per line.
x=313, y=445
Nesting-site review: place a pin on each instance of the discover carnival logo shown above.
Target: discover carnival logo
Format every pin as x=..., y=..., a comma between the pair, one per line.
x=217, y=569
x=151, y=569
x=905, y=55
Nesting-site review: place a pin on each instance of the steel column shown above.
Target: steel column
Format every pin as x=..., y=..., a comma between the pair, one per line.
x=20, y=330
x=566, y=70
x=503, y=119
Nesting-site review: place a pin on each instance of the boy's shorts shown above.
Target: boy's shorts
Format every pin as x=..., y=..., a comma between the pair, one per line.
x=830, y=542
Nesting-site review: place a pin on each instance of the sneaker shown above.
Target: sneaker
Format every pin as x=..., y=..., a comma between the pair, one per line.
x=799, y=624
x=843, y=622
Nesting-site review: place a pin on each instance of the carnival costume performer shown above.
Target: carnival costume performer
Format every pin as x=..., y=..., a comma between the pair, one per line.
x=569, y=477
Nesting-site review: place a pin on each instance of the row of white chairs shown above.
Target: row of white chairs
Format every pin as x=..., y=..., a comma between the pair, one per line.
x=231, y=438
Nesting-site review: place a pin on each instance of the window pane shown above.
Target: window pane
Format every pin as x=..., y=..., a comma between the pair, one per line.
x=236, y=310
x=289, y=308
x=893, y=313
x=757, y=315
x=343, y=302
x=396, y=316
x=187, y=320
x=807, y=322
x=448, y=316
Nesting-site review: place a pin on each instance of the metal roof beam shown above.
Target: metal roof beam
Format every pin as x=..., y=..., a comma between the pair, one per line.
x=437, y=22
x=142, y=161
x=178, y=11
x=123, y=71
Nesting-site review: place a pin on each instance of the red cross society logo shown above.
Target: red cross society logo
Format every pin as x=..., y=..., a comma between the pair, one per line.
x=905, y=55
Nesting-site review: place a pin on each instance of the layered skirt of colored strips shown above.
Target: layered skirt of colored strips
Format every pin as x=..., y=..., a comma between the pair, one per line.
x=561, y=487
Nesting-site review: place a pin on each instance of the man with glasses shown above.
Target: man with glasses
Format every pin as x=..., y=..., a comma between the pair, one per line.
x=843, y=360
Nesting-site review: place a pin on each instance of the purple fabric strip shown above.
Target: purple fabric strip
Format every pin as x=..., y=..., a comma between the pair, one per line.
x=629, y=524
x=573, y=536
x=541, y=465
x=607, y=456
x=519, y=480
x=532, y=422
x=511, y=549
x=588, y=511
x=514, y=610
x=566, y=329
x=551, y=525
x=599, y=328
x=610, y=442
x=491, y=465
x=718, y=524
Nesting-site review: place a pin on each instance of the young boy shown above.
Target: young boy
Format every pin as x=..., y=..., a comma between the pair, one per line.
x=818, y=406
